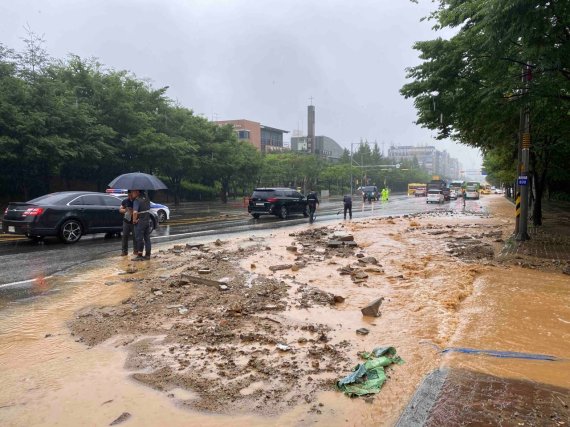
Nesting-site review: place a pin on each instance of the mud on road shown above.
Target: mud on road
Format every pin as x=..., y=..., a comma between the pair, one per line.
x=261, y=325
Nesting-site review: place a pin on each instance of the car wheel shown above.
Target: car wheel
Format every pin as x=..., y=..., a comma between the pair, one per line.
x=283, y=212
x=256, y=216
x=161, y=216
x=70, y=231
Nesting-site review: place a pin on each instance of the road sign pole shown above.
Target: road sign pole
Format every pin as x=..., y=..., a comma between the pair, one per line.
x=523, y=221
x=525, y=154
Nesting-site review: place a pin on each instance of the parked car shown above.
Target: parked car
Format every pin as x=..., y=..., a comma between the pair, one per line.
x=67, y=215
x=160, y=210
x=420, y=192
x=452, y=194
x=471, y=192
x=280, y=202
x=435, y=196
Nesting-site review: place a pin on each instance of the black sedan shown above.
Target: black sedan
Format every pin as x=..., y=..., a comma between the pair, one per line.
x=67, y=215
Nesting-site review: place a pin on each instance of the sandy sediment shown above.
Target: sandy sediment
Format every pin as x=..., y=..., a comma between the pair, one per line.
x=259, y=325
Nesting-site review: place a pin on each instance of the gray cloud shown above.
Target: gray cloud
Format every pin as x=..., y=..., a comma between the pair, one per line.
x=260, y=60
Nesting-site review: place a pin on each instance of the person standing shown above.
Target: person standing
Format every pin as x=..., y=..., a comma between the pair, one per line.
x=347, y=202
x=313, y=201
x=128, y=227
x=141, y=219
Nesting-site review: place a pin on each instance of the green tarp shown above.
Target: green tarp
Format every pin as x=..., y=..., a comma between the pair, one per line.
x=368, y=377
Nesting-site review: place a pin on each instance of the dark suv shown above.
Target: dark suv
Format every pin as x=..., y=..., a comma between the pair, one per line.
x=281, y=202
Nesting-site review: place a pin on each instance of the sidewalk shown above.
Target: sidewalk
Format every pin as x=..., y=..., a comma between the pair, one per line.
x=548, y=244
x=508, y=361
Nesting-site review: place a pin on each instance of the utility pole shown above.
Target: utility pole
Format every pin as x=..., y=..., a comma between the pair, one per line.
x=523, y=180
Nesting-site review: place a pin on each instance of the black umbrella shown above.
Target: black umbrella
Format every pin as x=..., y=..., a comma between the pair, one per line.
x=137, y=181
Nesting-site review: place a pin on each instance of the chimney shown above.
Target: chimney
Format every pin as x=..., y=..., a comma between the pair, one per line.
x=311, y=129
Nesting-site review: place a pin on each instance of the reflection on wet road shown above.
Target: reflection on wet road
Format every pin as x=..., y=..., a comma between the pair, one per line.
x=23, y=260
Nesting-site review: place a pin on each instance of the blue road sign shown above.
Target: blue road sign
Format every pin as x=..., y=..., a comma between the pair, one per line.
x=523, y=180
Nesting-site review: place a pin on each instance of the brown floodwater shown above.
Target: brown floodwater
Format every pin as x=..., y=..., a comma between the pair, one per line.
x=431, y=299
x=520, y=310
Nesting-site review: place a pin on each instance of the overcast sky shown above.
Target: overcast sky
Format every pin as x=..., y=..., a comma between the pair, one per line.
x=260, y=60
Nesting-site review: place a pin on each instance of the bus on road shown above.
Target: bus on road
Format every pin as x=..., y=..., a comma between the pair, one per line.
x=412, y=187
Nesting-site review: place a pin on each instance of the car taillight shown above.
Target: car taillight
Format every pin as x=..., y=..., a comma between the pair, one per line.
x=33, y=212
x=5, y=211
x=272, y=199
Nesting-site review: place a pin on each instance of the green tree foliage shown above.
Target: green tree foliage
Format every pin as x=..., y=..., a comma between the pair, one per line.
x=470, y=87
x=75, y=120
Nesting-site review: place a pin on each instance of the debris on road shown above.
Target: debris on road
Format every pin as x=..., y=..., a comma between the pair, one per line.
x=373, y=308
x=369, y=377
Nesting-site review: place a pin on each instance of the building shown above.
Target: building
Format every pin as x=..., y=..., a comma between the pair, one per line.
x=324, y=146
x=264, y=138
x=426, y=156
x=433, y=161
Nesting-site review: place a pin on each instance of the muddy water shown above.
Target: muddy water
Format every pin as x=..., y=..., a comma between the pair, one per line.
x=430, y=298
x=521, y=310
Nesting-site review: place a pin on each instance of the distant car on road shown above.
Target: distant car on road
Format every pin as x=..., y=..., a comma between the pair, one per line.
x=453, y=194
x=471, y=192
x=371, y=192
x=420, y=192
x=67, y=215
x=435, y=196
x=161, y=211
x=280, y=202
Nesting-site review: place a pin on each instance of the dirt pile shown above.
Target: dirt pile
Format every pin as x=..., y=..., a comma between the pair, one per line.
x=259, y=327
x=216, y=329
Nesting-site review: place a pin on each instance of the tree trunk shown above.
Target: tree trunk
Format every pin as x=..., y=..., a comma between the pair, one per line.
x=225, y=189
x=539, y=183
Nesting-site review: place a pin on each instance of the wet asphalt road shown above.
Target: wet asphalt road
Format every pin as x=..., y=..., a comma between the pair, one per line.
x=24, y=262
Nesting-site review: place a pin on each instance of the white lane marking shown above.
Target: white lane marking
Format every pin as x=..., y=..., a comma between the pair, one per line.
x=7, y=285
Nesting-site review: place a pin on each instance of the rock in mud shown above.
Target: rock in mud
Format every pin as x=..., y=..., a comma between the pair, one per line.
x=122, y=418
x=292, y=248
x=204, y=271
x=200, y=280
x=334, y=243
x=373, y=308
x=368, y=260
x=338, y=299
x=280, y=267
x=360, y=275
x=344, y=237
x=362, y=331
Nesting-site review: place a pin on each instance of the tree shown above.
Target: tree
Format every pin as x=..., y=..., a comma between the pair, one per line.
x=470, y=87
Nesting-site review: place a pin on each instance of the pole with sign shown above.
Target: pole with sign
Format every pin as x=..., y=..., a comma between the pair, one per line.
x=525, y=154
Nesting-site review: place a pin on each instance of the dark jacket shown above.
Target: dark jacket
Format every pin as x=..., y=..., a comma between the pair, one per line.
x=347, y=200
x=313, y=199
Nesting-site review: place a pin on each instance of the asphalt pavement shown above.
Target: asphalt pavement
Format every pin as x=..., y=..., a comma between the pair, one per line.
x=25, y=262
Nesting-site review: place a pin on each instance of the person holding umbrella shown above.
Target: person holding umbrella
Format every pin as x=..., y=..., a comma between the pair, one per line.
x=128, y=228
x=141, y=218
x=141, y=207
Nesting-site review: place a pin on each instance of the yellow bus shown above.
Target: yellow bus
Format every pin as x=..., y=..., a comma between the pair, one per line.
x=415, y=186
